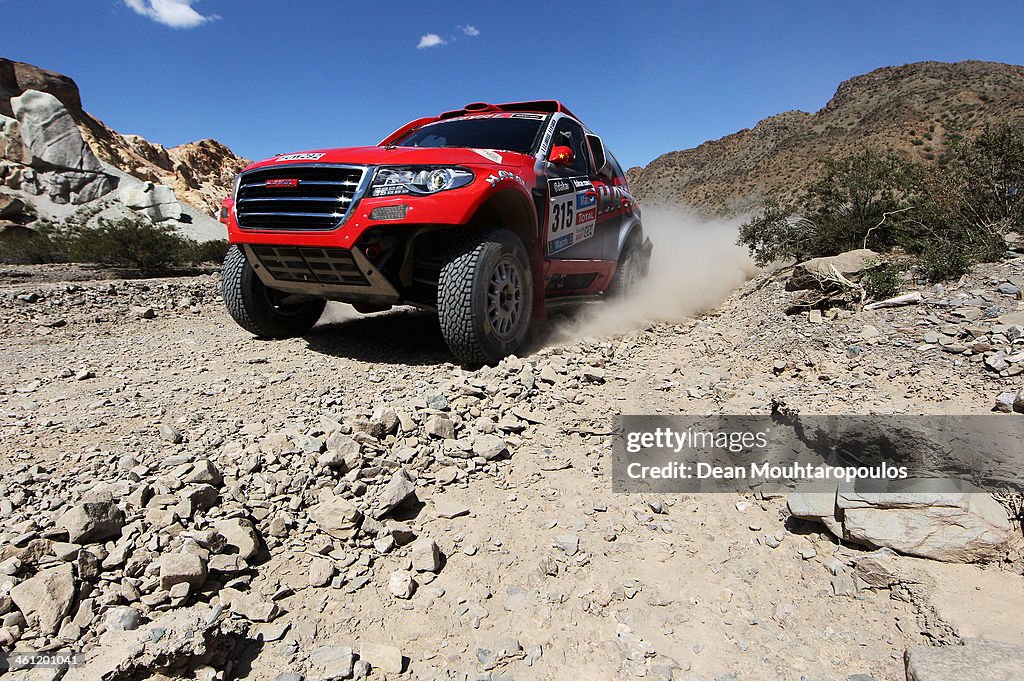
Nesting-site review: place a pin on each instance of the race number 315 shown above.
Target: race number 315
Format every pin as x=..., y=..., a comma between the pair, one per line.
x=562, y=214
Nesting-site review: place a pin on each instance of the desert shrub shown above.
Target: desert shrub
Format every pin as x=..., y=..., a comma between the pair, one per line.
x=209, y=251
x=31, y=247
x=129, y=242
x=951, y=215
x=776, y=234
x=863, y=200
x=884, y=280
x=39, y=244
x=984, y=183
x=944, y=261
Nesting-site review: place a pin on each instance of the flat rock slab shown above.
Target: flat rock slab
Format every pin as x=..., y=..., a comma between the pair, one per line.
x=976, y=660
x=977, y=603
x=45, y=599
x=951, y=521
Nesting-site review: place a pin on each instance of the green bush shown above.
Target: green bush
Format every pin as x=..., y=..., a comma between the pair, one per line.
x=958, y=209
x=985, y=183
x=209, y=251
x=776, y=234
x=132, y=242
x=943, y=262
x=129, y=242
x=30, y=248
x=883, y=280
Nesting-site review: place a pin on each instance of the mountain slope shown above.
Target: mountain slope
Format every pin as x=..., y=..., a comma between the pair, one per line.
x=913, y=110
x=200, y=172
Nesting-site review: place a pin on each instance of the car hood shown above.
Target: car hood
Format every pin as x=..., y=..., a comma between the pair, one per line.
x=397, y=156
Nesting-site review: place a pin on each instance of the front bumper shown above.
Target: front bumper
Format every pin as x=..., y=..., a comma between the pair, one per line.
x=340, y=274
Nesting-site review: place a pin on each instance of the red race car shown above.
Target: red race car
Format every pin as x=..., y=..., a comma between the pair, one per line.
x=489, y=215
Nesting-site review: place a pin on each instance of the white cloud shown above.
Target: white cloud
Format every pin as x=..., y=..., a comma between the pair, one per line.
x=431, y=40
x=173, y=13
x=470, y=30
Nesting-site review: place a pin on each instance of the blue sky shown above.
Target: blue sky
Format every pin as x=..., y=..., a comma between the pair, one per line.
x=266, y=77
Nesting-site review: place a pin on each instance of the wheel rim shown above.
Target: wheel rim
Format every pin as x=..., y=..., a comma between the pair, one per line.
x=505, y=298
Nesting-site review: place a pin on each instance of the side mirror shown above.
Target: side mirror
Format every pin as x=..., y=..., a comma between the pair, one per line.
x=561, y=156
x=598, y=152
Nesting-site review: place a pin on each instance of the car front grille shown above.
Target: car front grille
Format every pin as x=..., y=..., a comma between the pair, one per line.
x=297, y=197
x=309, y=264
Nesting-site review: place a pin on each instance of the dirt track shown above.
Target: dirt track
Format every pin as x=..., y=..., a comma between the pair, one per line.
x=658, y=587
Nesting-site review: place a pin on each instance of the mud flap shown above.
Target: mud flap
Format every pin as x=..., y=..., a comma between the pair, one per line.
x=645, y=255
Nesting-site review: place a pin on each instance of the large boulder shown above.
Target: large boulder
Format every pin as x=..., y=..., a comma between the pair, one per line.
x=155, y=201
x=16, y=77
x=950, y=520
x=11, y=207
x=811, y=273
x=69, y=170
x=51, y=134
x=959, y=525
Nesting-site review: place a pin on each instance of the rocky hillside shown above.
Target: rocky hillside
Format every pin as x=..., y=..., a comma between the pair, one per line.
x=200, y=173
x=913, y=110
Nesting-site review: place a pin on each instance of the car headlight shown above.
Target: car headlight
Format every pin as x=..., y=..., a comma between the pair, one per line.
x=393, y=181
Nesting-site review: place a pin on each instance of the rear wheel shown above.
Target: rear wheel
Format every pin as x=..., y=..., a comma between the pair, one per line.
x=485, y=297
x=629, y=272
x=263, y=311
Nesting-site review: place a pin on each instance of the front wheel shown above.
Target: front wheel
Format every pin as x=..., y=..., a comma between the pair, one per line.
x=485, y=297
x=263, y=311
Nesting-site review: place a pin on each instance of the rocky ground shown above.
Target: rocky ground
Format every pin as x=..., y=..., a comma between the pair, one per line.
x=179, y=500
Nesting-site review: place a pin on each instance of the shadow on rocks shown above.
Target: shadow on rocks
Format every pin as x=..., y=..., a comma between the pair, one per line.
x=405, y=336
x=801, y=527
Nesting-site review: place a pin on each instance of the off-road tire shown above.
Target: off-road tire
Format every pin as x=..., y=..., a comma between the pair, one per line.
x=253, y=306
x=485, y=297
x=629, y=271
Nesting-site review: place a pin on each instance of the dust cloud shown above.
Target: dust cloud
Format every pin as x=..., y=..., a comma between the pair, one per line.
x=695, y=265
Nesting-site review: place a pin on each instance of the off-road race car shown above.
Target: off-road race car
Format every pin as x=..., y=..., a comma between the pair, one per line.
x=489, y=215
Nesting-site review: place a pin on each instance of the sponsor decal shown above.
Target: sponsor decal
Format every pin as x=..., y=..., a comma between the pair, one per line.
x=282, y=183
x=489, y=154
x=559, y=187
x=583, y=216
x=503, y=175
x=610, y=198
x=389, y=190
x=586, y=199
x=572, y=212
x=300, y=157
x=560, y=244
x=545, y=145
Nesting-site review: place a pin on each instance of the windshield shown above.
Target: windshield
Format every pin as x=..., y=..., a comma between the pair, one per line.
x=507, y=134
